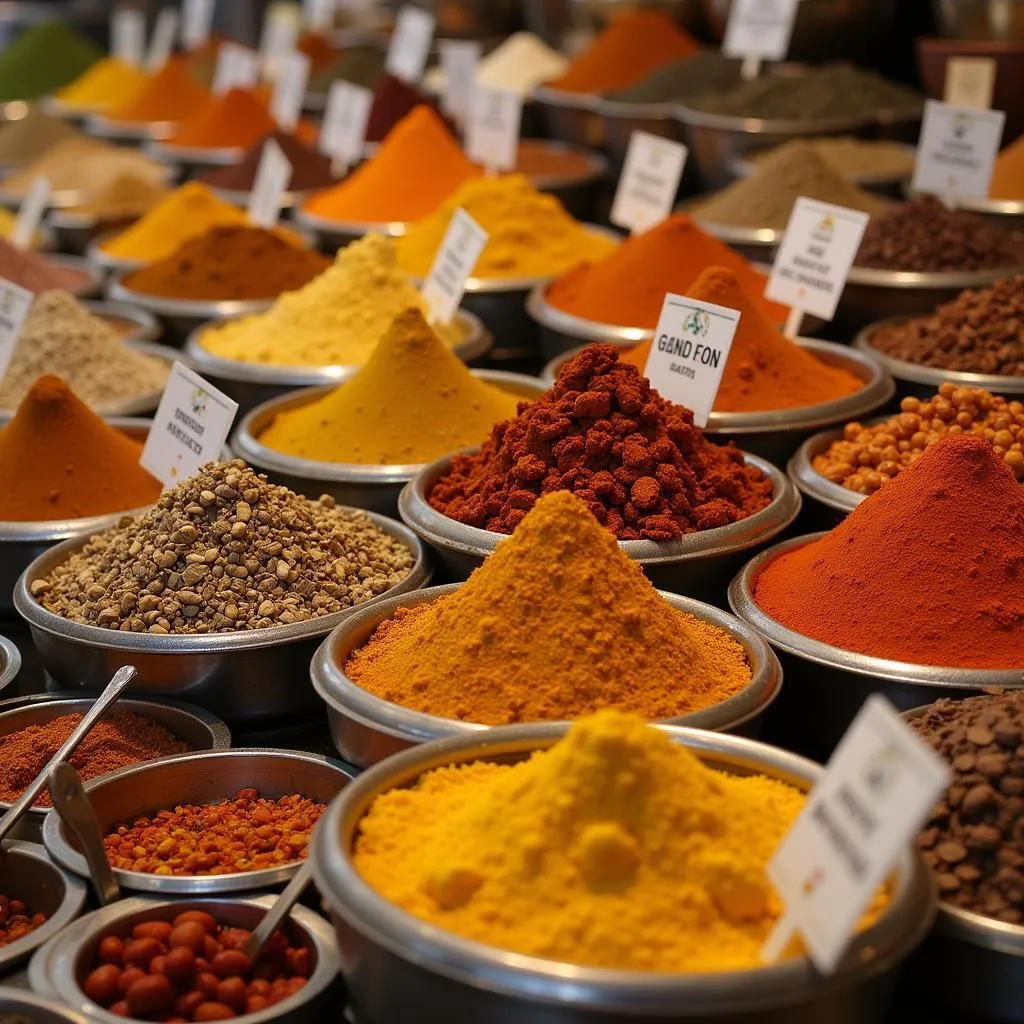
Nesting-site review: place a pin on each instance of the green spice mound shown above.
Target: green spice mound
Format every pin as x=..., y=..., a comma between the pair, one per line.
x=44, y=58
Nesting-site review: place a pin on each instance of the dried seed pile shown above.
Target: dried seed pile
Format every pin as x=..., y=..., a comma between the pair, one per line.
x=225, y=550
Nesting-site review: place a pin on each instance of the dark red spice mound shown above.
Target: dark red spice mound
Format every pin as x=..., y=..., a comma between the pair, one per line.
x=602, y=432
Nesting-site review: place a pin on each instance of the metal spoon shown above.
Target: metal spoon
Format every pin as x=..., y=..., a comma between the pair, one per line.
x=122, y=677
x=77, y=814
x=278, y=912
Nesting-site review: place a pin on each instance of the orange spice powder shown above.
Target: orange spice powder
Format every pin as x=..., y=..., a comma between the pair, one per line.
x=172, y=94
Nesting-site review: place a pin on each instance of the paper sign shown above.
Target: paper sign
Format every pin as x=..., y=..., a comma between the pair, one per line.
x=237, y=68
x=689, y=352
x=128, y=35
x=460, y=249
x=759, y=28
x=196, y=21
x=459, y=61
x=278, y=38
x=492, y=135
x=189, y=429
x=344, y=127
x=410, y=44
x=30, y=213
x=957, y=150
x=649, y=181
x=879, y=787
x=162, y=43
x=817, y=251
x=272, y=178
x=15, y=303
x=318, y=15
x=970, y=82
x=290, y=90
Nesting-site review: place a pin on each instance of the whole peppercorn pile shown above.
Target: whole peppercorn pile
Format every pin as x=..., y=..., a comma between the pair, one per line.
x=637, y=461
x=248, y=833
x=973, y=840
x=225, y=550
x=15, y=921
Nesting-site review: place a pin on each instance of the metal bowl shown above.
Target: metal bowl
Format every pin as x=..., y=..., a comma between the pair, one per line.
x=60, y=967
x=10, y=662
x=204, y=778
x=58, y=198
x=252, y=384
x=23, y=1005
x=572, y=116
x=365, y=486
x=92, y=281
x=104, y=127
x=394, y=963
x=242, y=676
x=191, y=724
x=29, y=875
x=133, y=324
x=366, y=729
x=193, y=158
x=619, y=120
x=336, y=234
x=826, y=685
x=578, y=193
x=696, y=566
x=924, y=381
x=755, y=244
x=290, y=200
x=96, y=254
x=838, y=501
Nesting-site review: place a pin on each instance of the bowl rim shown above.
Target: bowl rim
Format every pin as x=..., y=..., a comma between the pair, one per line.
x=811, y=483
x=874, y=277
x=167, y=152
x=10, y=663
x=541, y=311
x=348, y=228
x=742, y=167
x=547, y=94
x=204, y=309
x=106, y=127
x=763, y=125
x=143, y=320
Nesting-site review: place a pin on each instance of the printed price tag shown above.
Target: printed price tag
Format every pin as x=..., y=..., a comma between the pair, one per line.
x=460, y=249
x=459, y=61
x=759, y=30
x=290, y=90
x=878, y=789
x=649, y=181
x=318, y=15
x=689, y=352
x=189, y=429
x=344, y=127
x=492, y=135
x=15, y=303
x=278, y=38
x=970, y=82
x=128, y=35
x=30, y=213
x=410, y=44
x=817, y=251
x=272, y=178
x=957, y=150
x=196, y=22
x=162, y=43
x=237, y=68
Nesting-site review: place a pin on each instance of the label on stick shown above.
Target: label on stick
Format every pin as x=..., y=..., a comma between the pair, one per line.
x=878, y=789
x=460, y=249
x=689, y=352
x=460, y=59
x=970, y=82
x=817, y=251
x=189, y=429
x=492, y=136
x=196, y=22
x=290, y=90
x=128, y=35
x=272, y=178
x=649, y=181
x=162, y=43
x=278, y=38
x=318, y=15
x=237, y=68
x=344, y=127
x=759, y=29
x=30, y=213
x=957, y=150
x=15, y=303
x=410, y=44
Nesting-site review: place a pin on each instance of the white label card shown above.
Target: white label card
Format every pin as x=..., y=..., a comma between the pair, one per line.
x=272, y=178
x=189, y=429
x=290, y=90
x=344, y=127
x=970, y=82
x=759, y=28
x=15, y=303
x=459, y=61
x=817, y=251
x=237, y=68
x=879, y=787
x=957, y=150
x=410, y=44
x=460, y=249
x=128, y=35
x=30, y=213
x=689, y=352
x=162, y=43
x=649, y=181
x=278, y=38
x=318, y=15
x=196, y=22
x=492, y=135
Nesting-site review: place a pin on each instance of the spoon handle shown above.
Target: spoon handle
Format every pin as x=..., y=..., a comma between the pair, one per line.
x=279, y=911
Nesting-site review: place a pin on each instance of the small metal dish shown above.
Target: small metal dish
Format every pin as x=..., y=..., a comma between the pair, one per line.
x=104, y=127
x=336, y=234
x=10, y=663
x=131, y=323
x=17, y=1004
x=373, y=487
x=394, y=964
x=619, y=120
x=60, y=967
x=242, y=676
x=201, y=778
x=696, y=566
x=366, y=728
x=756, y=244
x=572, y=116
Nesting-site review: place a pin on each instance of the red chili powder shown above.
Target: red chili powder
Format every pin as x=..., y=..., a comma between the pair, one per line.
x=602, y=432
x=929, y=570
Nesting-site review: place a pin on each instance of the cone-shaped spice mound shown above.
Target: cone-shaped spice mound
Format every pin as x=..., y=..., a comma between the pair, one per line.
x=928, y=570
x=626, y=647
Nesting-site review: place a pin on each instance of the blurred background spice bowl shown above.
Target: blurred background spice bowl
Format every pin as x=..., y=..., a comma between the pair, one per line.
x=373, y=487
x=90, y=277
x=1007, y=213
x=393, y=962
x=62, y=197
x=335, y=234
x=694, y=566
x=620, y=120
x=756, y=244
x=192, y=159
x=128, y=131
x=10, y=663
x=289, y=200
x=571, y=173
x=207, y=777
x=572, y=116
x=96, y=254
x=20, y=1004
x=242, y=676
x=132, y=324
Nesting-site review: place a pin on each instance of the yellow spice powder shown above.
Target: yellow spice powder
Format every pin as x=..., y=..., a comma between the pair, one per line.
x=108, y=81
x=412, y=402
x=530, y=233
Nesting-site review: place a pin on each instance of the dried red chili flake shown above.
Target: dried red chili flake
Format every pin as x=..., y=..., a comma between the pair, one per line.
x=602, y=432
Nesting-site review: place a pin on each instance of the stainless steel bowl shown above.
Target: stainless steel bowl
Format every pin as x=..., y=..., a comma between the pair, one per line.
x=74, y=230
x=924, y=381
x=825, y=685
x=980, y=19
x=336, y=234
x=619, y=120
x=193, y=158
x=203, y=778
x=696, y=565
x=96, y=254
x=92, y=281
x=104, y=127
x=29, y=875
x=838, y=501
x=572, y=116
x=394, y=964
x=884, y=182
x=364, y=486
x=578, y=193
x=23, y=1005
x=366, y=729
x=242, y=676
x=290, y=200
x=252, y=384
x=133, y=324
x=756, y=244
x=10, y=663
x=60, y=967
x=58, y=198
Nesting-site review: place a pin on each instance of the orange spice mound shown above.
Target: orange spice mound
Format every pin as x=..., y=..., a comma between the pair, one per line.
x=172, y=94
x=234, y=120
x=1008, y=173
